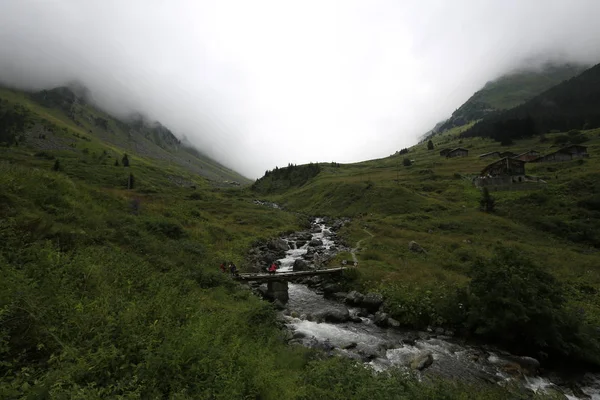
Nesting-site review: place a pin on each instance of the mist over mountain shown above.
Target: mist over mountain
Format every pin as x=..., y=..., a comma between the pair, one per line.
x=264, y=84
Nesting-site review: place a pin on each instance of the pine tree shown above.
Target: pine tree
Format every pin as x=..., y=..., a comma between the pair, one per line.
x=116, y=162
x=125, y=161
x=56, y=166
x=430, y=145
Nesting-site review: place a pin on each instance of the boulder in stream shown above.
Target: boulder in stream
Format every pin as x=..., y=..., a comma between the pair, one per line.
x=334, y=315
x=316, y=243
x=372, y=302
x=354, y=298
x=380, y=319
x=421, y=360
x=278, y=245
x=300, y=265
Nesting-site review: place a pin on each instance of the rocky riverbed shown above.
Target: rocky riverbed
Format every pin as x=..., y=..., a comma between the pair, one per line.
x=319, y=315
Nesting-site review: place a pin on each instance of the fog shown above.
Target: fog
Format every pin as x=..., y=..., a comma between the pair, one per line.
x=255, y=84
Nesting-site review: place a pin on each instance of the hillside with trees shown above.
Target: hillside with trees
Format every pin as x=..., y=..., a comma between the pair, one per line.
x=571, y=105
x=507, y=92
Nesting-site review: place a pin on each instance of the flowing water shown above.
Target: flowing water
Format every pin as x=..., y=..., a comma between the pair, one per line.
x=382, y=348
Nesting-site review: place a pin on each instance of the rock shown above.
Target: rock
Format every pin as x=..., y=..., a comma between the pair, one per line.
x=449, y=332
x=372, y=302
x=415, y=247
x=528, y=365
x=349, y=346
x=278, y=304
x=331, y=288
x=392, y=323
x=354, y=298
x=316, y=229
x=334, y=315
x=316, y=243
x=363, y=313
x=439, y=331
x=298, y=335
x=340, y=296
x=380, y=319
x=300, y=265
x=356, y=319
x=278, y=244
x=294, y=314
x=411, y=341
x=421, y=360
x=300, y=243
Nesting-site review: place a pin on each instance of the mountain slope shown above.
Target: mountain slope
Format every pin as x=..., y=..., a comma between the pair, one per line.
x=572, y=104
x=65, y=113
x=509, y=91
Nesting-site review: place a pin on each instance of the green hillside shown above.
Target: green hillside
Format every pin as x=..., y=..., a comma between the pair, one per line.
x=68, y=121
x=552, y=229
x=510, y=91
x=109, y=280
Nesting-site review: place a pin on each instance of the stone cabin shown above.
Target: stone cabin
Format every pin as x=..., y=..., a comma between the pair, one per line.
x=565, y=154
x=458, y=152
x=444, y=152
x=493, y=154
x=507, y=154
x=529, y=155
x=502, y=172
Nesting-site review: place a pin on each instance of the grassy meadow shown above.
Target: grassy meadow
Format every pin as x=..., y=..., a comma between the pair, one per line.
x=556, y=227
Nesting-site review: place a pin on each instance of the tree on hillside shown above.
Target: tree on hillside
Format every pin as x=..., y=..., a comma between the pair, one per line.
x=487, y=202
x=406, y=162
x=429, y=145
x=116, y=162
x=125, y=160
x=56, y=166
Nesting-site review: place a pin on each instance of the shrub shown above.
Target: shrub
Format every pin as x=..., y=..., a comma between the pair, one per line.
x=515, y=302
x=406, y=162
x=430, y=145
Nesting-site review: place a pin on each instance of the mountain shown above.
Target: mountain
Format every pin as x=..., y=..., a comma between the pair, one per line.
x=509, y=91
x=64, y=113
x=571, y=105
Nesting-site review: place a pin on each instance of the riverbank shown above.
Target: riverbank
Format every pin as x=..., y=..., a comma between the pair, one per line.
x=320, y=315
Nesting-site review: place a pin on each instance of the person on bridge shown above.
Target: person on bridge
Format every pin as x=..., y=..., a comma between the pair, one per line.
x=233, y=269
x=273, y=268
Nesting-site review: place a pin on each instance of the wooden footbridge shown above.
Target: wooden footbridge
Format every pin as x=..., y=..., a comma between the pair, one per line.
x=277, y=283
x=284, y=276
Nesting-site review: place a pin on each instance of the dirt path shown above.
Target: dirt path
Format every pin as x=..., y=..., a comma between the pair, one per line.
x=357, y=246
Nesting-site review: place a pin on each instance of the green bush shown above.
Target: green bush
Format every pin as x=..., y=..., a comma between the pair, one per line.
x=515, y=302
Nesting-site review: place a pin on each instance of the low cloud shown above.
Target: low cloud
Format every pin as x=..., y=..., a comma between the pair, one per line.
x=264, y=83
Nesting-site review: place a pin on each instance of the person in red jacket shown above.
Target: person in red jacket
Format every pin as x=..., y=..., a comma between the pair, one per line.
x=223, y=267
x=273, y=268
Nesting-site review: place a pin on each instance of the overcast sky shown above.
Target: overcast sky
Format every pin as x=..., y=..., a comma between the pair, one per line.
x=256, y=84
